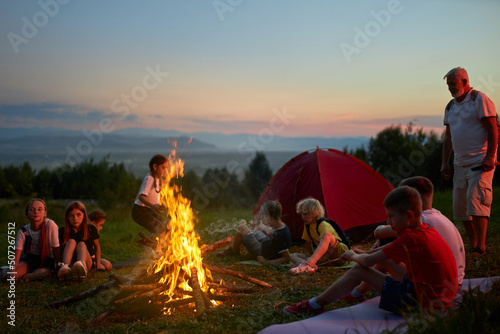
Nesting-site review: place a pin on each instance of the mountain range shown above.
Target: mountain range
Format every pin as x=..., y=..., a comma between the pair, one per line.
x=51, y=147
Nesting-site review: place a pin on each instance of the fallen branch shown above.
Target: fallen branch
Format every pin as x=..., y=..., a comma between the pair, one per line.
x=142, y=287
x=207, y=249
x=232, y=287
x=237, y=274
x=82, y=295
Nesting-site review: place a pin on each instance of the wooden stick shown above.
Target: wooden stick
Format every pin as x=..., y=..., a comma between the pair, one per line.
x=197, y=293
x=82, y=295
x=179, y=302
x=237, y=274
x=232, y=287
x=207, y=249
x=141, y=287
x=136, y=295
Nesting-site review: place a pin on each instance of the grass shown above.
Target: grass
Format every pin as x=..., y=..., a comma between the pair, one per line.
x=242, y=313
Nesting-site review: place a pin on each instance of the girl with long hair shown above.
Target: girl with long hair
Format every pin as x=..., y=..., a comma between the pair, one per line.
x=76, y=240
x=40, y=244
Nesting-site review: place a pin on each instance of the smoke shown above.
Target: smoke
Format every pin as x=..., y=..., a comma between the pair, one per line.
x=222, y=228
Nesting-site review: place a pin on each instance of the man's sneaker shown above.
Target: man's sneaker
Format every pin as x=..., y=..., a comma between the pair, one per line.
x=304, y=267
x=227, y=252
x=79, y=271
x=351, y=298
x=302, y=308
x=64, y=273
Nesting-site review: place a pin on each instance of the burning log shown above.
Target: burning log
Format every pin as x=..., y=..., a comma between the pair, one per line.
x=198, y=295
x=237, y=274
x=207, y=249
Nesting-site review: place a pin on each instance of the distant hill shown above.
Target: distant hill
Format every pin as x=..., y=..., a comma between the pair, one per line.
x=21, y=138
x=53, y=147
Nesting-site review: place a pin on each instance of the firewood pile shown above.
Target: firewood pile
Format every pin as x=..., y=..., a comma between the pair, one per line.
x=143, y=295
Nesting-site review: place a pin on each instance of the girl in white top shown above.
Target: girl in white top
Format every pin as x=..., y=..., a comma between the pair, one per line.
x=147, y=202
x=40, y=242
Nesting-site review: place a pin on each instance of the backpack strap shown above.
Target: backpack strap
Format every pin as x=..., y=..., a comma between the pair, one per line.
x=310, y=236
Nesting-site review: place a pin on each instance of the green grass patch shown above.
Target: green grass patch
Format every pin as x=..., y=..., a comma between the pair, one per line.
x=242, y=313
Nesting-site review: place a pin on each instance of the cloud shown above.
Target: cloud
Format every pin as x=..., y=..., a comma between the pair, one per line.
x=15, y=114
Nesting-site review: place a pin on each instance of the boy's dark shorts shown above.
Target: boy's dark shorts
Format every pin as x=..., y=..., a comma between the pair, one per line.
x=397, y=296
x=34, y=261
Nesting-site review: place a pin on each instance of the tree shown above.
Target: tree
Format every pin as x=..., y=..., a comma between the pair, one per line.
x=257, y=176
x=398, y=154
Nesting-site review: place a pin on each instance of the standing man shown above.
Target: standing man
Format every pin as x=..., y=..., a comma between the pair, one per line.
x=472, y=134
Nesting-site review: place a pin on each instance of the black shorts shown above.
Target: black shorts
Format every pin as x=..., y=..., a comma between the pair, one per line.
x=397, y=296
x=145, y=217
x=34, y=262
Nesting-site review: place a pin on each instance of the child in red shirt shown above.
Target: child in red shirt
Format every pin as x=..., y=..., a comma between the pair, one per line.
x=432, y=273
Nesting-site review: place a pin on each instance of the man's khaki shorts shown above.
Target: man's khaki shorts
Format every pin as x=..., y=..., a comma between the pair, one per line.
x=472, y=193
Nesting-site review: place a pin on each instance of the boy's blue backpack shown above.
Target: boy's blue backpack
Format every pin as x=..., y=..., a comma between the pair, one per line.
x=341, y=234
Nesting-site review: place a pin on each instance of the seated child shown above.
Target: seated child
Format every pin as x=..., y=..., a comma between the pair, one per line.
x=329, y=244
x=268, y=244
x=97, y=219
x=40, y=243
x=432, y=272
x=76, y=240
x=431, y=216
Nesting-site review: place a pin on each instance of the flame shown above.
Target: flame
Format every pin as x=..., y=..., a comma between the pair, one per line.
x=178, y=247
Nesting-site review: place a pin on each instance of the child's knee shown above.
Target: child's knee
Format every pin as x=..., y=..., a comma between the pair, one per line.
x=71, y=242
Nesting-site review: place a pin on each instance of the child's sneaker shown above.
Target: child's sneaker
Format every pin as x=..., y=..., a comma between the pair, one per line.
x=64, y=273
x=302, y=308
x=79, y=271
x=304, y=267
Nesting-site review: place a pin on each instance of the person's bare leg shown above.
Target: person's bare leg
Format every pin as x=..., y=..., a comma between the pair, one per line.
x=480, y=225
x=397, y=271
x=297, y=258
x=39, y=274
x=82, y=254
x=349, y=281
x=235, y=246
x=471, y=233
x=69, y=249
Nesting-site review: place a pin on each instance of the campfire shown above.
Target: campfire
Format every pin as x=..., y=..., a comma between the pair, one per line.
x=176, y=275
x=179, y=260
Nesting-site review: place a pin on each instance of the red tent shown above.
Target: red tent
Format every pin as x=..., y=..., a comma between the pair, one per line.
x=351, y=191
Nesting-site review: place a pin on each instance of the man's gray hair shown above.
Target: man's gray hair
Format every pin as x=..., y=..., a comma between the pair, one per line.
x=459, y=72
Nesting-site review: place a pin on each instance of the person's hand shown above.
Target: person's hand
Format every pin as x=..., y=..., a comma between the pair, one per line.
x=261, y=259
x=445, y=171
x=489, y=164
x=159, y=208
x=101, y=267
